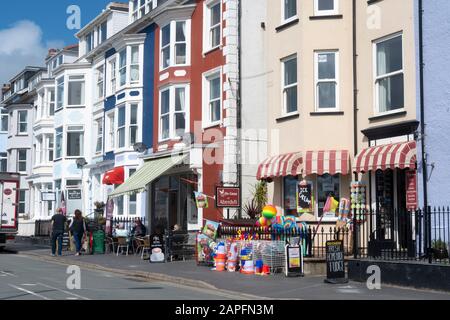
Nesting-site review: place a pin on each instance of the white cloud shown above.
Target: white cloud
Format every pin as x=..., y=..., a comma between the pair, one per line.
x=22, y=45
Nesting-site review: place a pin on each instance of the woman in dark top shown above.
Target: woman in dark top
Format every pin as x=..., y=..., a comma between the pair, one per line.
x=78, y=229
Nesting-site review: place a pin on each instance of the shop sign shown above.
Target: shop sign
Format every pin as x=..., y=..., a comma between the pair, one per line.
x=228, y=197
x=48, y=196
x=411, y=190
x=304, y=197
x=335, y=262
x=294, y=260
x=74, y=194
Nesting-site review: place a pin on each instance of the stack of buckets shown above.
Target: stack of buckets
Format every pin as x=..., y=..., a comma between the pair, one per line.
x=247, y=266
x=232, y=258
x=220, y=258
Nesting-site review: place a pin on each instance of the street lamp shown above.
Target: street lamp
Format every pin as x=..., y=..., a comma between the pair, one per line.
x=81, y=162
x=139, y=147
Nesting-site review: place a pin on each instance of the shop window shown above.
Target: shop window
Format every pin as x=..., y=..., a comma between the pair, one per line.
x=290, y=195
x=327, y=185
x=389, y=84
x=132, y=199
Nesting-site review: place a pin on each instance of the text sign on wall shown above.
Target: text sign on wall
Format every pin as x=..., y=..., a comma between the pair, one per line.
x=74, y=194
x=411, y=190
x=48, y=196
x=335, y=262
x=228, y=197
x=304, y=198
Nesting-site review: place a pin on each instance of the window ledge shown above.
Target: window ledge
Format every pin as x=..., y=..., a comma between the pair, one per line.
x=369, y=2
x=211, y=125
x=388, y=115
x=327, y=113
x=211, y=50
x=286, y=25
x=327, y=17
x=287, y=117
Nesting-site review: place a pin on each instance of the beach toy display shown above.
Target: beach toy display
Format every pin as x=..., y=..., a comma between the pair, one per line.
x=232, y=257
x=269, y=212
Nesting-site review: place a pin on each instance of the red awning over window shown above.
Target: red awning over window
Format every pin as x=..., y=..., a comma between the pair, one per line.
x=114, y=176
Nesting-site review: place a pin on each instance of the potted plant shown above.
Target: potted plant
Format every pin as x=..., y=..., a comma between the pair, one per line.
x=99, y=209
x=440, y=251
x=252, y=209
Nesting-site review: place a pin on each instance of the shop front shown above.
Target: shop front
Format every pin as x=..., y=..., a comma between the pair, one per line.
x=302, y=182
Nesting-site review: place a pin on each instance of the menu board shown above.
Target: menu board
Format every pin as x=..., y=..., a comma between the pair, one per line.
x=335, y=262
x=411, y=190
x=304, y=197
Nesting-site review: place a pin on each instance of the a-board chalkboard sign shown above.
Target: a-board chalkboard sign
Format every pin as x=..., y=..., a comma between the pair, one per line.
x=294, y=260
x=304, y=198
x=335, y=262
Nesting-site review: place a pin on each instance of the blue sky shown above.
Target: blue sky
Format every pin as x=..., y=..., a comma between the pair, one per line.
x=29, y=28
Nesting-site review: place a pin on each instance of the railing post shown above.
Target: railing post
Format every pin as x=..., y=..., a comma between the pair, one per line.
x=355, y=235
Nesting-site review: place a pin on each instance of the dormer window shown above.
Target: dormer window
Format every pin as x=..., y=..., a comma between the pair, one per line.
x=141, y=8
x=89, y=42
x=102, y=32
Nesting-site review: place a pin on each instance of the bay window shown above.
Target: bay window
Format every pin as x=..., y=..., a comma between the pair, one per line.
x=123, y=67
x=112, y=72
x=111, y=131
x=76, y=91
x=133, y=124
x=22, y=160
x=289, y=10
x=22, y=122
x=60, y=93
x=121, y=123
x=4, y=121
x=51, y=102
x=325, y=7
x=3, y=162
x=290, y=84
x=58, y=142
x=89, y=42
x=173, y=106
x=49, y=145
x=99, y=144
x=134, y=66
x=213, y=25
x=75, y=135
x=389, y=84
x=174, y=44
x=100, y=78
x=326, y=77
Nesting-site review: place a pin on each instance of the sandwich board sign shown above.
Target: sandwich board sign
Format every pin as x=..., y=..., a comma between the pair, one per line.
x=294, y=260
x=335, y=262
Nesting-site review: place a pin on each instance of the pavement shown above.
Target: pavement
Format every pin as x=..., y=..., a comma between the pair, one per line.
x=232, y=284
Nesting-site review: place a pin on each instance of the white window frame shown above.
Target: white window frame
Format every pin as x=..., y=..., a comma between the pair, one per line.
x=50, y=102
x=283, y=13
x=318, y=12
x=70, y=129
x=124, y=127
x=99, y=135
x=138, y=64
x=206, y=115
x=134, y=126
x=112, y=72
x=59, y=134
x=4, y=114
x=19, y=122
x=207, y=40
x=22, y=160
x=83, y=96
x=100, y=82
x=172, y=44
x=121, y=68
x=49, y=138
x=377, y=78
x=110, y=124
x=4, y=158
x=172, y=112
x=292, y=85
x=317, y=80
x=58, y=86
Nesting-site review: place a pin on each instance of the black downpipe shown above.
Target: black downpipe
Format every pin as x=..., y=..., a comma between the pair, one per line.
x=422, y=135
x=239, y=105
x=355, y=88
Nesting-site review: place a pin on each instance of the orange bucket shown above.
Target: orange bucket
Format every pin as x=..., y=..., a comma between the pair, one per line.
x=220, y=264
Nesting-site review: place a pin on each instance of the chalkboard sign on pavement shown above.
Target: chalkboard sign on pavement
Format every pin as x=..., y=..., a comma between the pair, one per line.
x=335, y=262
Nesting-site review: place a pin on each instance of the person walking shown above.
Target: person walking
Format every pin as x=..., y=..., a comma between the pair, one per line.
x=78, y=229
x=58, y=227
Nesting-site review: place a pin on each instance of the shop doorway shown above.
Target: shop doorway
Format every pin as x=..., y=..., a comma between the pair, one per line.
x=173, y=208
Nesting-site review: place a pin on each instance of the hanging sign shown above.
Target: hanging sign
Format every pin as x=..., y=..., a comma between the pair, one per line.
x=335, y=262
x=411, y=190
x=48, y=196
x=304, y=197
x=228, y=197
x=294, y=260
x=201, y=200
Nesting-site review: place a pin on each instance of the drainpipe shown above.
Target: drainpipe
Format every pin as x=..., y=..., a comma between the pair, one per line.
x=238, y=105
x=422, y=133
x=355, y=87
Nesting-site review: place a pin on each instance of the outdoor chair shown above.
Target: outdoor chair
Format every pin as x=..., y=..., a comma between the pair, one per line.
x=144, y=246
x=177, y=245
x=122, y=243
x=110, y=244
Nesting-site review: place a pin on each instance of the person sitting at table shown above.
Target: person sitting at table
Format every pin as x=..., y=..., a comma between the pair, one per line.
x=138, y=230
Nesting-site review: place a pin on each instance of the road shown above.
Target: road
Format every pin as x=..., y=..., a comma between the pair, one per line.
x=23, y=278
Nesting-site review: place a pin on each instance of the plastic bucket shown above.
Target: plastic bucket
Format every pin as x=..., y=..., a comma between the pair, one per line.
x=220, y=264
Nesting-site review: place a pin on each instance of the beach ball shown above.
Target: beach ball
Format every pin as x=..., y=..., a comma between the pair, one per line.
x=263, y=222
x=269, y=212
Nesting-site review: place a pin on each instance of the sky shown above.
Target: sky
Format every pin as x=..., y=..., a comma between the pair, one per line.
x=28, y=28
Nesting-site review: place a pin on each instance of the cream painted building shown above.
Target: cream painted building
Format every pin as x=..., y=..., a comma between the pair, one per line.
x=341, y=79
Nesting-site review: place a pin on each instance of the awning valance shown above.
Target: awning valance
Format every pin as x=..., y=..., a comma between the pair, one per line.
x=150, y=171
x=114, y=176
x=390, y=156
x=280, y=166
x=327, y=161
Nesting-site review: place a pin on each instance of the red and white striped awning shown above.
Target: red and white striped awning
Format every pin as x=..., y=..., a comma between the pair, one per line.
x=327, y=161
x=281, y=166
x=390, y=156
